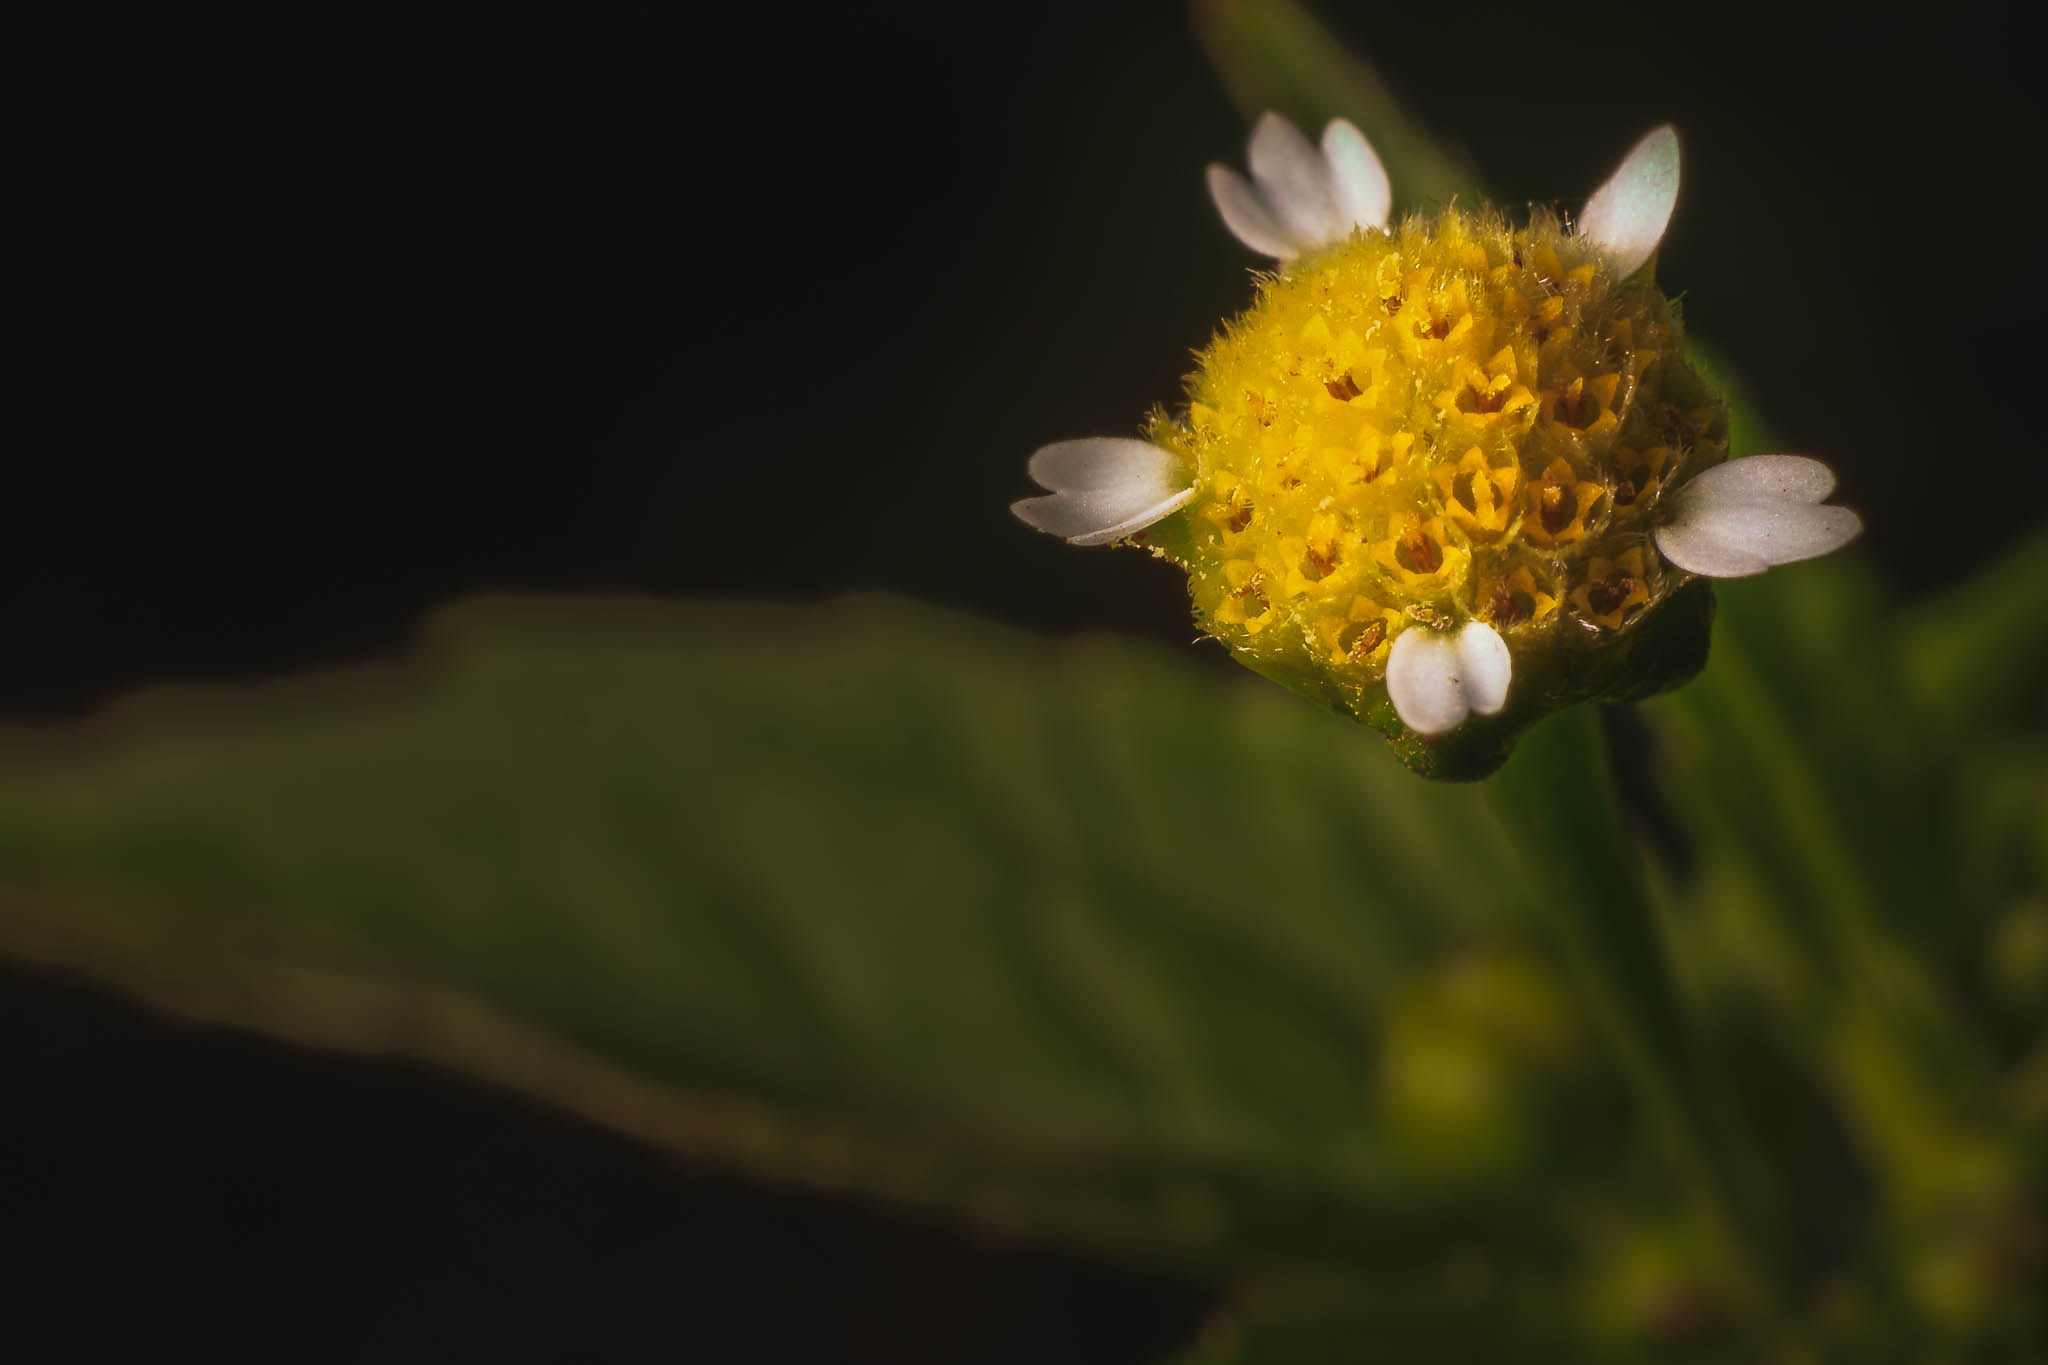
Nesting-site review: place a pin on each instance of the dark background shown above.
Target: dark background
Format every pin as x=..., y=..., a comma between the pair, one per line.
x=308, y=323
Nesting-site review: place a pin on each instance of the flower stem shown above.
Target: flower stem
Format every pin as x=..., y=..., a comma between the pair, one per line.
x=1558, y=797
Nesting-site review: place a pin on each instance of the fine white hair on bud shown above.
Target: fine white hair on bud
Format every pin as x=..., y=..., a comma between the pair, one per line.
x=1301, y=197
x=1626, y=217
x=1103, y=488
x=1747, y=515
x=1436, y=680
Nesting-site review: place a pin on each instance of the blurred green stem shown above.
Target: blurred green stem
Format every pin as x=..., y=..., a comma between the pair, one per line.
x=1558, y=798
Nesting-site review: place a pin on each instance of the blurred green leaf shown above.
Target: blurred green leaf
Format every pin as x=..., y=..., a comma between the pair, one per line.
x=1434, y=1313
x=1801, y=760
x=1828, y=816
x=1063, y=939
x=1978, y=653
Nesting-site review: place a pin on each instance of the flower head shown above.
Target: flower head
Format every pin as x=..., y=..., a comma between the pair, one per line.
x=1447, y=473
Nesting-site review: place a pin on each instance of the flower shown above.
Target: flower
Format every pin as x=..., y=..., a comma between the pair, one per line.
x=1446, y=473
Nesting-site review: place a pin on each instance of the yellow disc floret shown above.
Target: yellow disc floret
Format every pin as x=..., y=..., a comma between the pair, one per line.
x=1452, y=420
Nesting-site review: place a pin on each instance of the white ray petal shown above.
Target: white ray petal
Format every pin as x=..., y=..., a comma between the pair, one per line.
x=1358, y=182
x=1422, y=682
x=1797, y=478
x=1484, y=667
x=1626, y=216
x=1747, y=515
x=1245, y=214
x=1294, y=180
x=1435, y=681
x=1733, y=539
x=1103, y=488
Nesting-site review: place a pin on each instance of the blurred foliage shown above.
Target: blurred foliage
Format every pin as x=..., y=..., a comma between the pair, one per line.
x=887, y=898
x=1074, y=943
x=1078, y=944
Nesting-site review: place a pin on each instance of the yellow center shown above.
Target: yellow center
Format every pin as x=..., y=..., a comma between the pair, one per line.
x=1452, y=420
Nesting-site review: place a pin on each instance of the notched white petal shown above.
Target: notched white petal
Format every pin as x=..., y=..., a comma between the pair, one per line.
x=1299, y=196
x=1626, y=217
x=1245, y=214
x=1103, y=488
x=1294, y=180
x=1435, y=681
x=1748, y=515
x=1358, y=182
